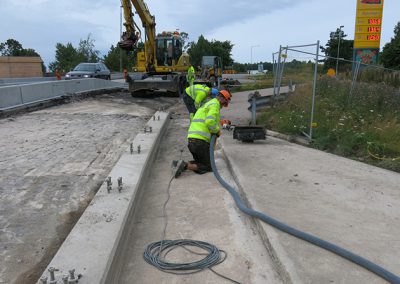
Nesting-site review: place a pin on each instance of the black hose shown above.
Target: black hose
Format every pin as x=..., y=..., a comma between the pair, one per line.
x=378, y=270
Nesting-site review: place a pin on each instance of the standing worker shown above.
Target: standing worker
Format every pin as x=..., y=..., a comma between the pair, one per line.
x=58, y=75
x=190, y=75
x=195, y=96
x=204, y=124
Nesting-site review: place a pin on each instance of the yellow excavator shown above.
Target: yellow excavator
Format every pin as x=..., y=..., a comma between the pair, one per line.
x=162, y=61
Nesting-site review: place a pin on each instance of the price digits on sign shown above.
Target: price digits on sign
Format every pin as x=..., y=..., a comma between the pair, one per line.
x=373, y=37
x=374, y=29
x=376, y=21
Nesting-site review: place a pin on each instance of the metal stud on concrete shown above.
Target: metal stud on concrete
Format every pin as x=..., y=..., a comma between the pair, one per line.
x=109, y=184
x=150, y=129
x=119, y=184
x=72, y=279
x=88, y=236
x=52, y=270
x=65, y=279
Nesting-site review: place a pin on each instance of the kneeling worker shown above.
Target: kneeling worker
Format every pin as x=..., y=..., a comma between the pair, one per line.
x=205, y=123
x=196, y=95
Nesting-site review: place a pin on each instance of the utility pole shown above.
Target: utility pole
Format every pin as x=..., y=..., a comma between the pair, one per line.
x=251, y=54
x=338, y=49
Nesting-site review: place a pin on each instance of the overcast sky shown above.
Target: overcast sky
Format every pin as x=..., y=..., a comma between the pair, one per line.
x=263, y=24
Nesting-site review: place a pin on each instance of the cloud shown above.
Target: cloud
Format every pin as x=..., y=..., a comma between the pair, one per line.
x=40, y=24
x=200, y=17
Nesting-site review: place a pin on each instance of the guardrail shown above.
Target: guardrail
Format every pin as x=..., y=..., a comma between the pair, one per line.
x=23, y=95
x=29, y=80
x=256, y=100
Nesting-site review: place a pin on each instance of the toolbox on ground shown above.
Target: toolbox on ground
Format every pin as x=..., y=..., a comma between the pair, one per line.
x=249, y=133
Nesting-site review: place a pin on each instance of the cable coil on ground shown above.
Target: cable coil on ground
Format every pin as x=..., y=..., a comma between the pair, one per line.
x=378, y=270
x=156, y=253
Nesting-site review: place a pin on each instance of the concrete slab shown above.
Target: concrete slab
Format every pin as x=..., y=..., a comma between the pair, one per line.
x=348, y=203
x=198, y=208
x=10, y=96
x=99, y=230
x=52, y=162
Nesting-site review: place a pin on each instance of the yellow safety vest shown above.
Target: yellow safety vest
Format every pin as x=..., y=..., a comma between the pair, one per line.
x=206, y=121
x=190, y=75
x=198, y=93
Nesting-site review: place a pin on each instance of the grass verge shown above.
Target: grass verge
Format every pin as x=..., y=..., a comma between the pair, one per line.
x=364, y=125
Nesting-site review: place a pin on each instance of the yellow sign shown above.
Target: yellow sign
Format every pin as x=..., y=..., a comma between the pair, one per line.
x=368, y=24
x=331, y=72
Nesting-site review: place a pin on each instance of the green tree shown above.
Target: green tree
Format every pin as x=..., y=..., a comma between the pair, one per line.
x=67, y=56
x=331, y=49
x=204, y=47
x=115, y=54
x=390, y=56
x=11, y=48
x=87, y=51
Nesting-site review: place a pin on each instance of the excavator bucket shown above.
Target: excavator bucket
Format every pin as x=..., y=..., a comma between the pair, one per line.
x=128, y=45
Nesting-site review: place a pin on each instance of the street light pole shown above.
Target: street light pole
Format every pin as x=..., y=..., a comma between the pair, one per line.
x=120, y=35
x=251, y=54
x=338, y=49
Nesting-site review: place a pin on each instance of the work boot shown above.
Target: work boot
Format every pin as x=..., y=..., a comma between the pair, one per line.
x=174, y=163
x=180, y=168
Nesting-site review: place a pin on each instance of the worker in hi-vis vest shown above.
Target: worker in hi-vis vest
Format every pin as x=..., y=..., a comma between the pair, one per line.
x=204, y=124
x=190, y=75
x=196, y=95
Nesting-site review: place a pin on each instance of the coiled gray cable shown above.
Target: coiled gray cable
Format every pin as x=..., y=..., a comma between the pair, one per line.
x=156, y=253
x=378, y=270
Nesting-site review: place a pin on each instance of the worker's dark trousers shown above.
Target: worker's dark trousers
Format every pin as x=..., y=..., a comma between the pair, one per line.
x=200, y=150
x=189, y=102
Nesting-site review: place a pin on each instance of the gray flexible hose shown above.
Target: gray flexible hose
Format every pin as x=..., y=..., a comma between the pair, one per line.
x=378, y=270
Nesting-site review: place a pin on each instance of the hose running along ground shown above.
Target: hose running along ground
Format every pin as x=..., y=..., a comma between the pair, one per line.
x=378, y=270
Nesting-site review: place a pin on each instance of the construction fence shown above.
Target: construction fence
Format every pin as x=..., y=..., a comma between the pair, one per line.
x=353, y=112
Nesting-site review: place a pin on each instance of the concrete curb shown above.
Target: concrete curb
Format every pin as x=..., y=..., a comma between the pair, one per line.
x=93, y=245
x=268, y=234
x=289, y=138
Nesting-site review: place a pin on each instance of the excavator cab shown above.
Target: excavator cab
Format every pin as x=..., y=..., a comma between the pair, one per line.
x=168, y=49
x=211, y=69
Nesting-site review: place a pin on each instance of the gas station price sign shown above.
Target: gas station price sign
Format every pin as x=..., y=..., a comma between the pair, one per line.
x=368, y=24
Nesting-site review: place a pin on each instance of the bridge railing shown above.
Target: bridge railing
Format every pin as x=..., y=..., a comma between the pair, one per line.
x=22, y=95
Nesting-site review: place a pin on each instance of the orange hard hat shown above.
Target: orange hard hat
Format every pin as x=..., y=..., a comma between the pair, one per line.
x=225, y=94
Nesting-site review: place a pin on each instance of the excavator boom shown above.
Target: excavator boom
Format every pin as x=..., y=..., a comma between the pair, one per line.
x=162, y=58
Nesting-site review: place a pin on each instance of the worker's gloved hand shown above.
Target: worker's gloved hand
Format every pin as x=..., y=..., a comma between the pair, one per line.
x=218, y=133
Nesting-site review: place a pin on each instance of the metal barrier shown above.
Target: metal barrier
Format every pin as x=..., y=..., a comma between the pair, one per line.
x=256, y=100
x=22, y=95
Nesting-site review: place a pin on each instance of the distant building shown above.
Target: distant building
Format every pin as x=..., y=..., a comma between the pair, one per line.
x=257, y=72
x=20, y=66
